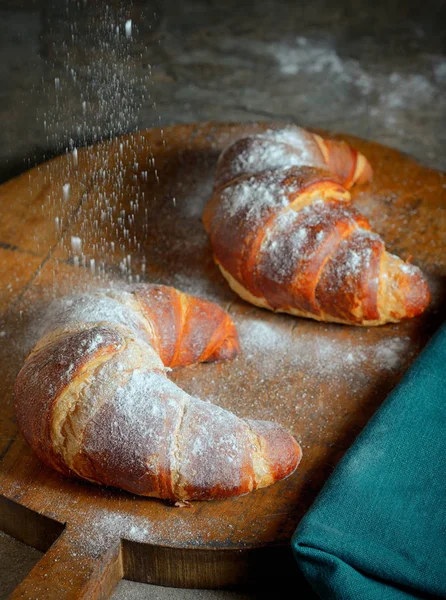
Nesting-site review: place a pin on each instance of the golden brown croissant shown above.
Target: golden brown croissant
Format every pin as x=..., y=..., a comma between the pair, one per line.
x=93, y=399
x=286, y=237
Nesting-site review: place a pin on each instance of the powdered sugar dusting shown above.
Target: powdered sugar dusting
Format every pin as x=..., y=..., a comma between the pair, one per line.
x=354, y=261
x=214, y=447
x=276, y=149
x=149, y=418
x=296, y=236
x=254, y=197
x=102, y=306
x=282, y=247
x=407, y=268
x=263, y=155
x=92, y=345
x=108, y=527
x=296, y=137
x=357, y=254
x=131, y=426
x=318, y=353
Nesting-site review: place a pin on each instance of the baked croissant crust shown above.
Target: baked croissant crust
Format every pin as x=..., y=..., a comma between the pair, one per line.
x=94, y=402
x=286, y=237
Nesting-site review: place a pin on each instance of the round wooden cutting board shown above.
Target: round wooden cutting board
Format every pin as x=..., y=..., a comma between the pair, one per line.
x=130, y=210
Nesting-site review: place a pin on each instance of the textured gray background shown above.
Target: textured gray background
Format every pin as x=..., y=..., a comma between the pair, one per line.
x=69, y=75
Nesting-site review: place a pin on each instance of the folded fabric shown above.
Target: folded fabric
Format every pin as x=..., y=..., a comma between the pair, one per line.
x=378, y=528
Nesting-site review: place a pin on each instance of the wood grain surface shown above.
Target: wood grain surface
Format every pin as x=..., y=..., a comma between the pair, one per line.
x=135, y=204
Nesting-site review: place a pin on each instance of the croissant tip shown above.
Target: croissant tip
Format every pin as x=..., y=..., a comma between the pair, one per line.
x=282, y=451
x=407, y=291
x=229, y=348
x=422, y=297
x=415, y=288
x=368, y=171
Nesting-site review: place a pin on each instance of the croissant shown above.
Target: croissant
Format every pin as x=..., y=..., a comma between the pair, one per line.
x=94, y=402
x=286, y=237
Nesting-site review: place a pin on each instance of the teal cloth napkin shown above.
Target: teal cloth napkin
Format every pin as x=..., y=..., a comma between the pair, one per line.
x=378, y=528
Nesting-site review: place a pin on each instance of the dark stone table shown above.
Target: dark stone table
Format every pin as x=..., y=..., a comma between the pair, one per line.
x=75, y=71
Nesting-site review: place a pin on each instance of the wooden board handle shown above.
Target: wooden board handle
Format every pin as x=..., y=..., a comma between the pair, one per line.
x=73, y=568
